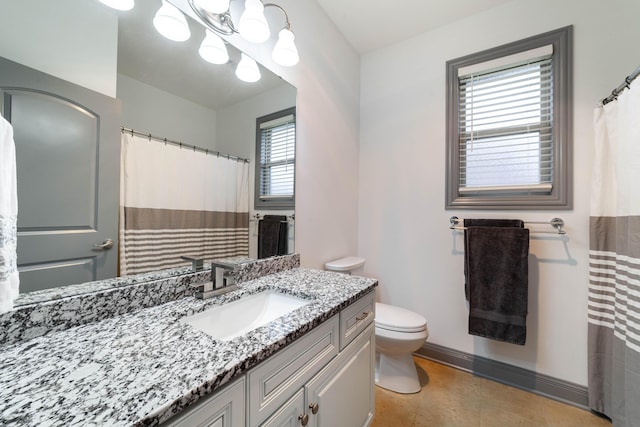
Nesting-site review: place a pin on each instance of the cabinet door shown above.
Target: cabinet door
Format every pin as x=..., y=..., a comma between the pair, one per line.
x=344, y=390
x=290, y=414
x=224, y=409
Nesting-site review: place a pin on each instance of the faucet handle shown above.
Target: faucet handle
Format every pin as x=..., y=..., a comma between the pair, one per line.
x=226, y=265
x=196, y=263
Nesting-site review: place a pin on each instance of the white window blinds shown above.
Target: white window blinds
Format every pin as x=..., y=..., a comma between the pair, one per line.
x=505, y=124
x=277, y=157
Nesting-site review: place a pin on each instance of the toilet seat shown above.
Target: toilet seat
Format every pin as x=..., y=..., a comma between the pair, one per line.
x=398, y=319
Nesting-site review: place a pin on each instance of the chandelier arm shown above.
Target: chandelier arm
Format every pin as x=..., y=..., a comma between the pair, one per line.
x=220, y=23
x=283, y=11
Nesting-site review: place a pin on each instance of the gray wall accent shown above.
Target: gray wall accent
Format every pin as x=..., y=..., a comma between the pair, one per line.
x=544, y=385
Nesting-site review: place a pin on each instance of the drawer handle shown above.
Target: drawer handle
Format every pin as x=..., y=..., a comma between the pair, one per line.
x=363, y=316
x=304, y=419
x=314, y=408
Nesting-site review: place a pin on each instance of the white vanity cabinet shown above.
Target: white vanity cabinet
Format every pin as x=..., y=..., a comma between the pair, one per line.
x=340, y=394
x=273, y=382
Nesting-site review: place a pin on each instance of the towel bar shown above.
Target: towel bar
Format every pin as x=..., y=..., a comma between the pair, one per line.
x=557, y=223
x=290, y=218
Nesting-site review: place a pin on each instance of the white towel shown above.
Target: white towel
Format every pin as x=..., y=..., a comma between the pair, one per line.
x=9, y=280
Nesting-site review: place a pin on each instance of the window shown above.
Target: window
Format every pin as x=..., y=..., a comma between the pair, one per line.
x=509, y=126
x=275, y=160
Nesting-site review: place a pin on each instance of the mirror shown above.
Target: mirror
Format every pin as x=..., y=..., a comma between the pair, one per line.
x=153, y=72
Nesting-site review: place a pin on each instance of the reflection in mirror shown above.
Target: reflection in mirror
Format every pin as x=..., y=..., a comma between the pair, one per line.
x=164, y=88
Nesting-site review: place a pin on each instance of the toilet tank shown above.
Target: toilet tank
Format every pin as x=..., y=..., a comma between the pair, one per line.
x=345, y=265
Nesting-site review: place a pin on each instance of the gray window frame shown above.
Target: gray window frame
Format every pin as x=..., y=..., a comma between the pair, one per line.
x=561, y=195
x=279, y=202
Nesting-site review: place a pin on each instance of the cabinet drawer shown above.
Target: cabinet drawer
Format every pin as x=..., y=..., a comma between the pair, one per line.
x=355, y=318
x=225, y=408
x=276, y=379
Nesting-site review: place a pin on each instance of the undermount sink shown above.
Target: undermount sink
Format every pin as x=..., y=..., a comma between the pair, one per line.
x=225, y=322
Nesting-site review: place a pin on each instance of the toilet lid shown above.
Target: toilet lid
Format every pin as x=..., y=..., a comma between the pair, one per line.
x=398, y=319
x=345, y=264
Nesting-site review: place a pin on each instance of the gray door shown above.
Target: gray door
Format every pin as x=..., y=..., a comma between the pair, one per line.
x=68, y=154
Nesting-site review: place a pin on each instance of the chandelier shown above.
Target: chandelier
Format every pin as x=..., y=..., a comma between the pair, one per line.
x=252, y=26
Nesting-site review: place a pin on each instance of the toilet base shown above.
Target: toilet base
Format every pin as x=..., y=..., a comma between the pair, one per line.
x=397, y=373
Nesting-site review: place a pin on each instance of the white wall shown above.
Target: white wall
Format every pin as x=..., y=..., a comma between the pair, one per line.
x=86, y=53
x=150, y=110
x=403, y=226
x=237, y=133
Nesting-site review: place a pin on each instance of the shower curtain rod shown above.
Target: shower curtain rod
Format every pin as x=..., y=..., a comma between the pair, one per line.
x=182, y=145
x=619, y=89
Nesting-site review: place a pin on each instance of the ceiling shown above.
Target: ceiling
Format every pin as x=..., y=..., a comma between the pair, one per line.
x=370, y=25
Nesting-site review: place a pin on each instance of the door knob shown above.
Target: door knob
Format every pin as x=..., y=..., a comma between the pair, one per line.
x=107, y=244
x=314, y=408
x=304, y=419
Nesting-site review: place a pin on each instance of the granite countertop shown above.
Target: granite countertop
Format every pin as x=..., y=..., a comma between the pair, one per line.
x=141, y=368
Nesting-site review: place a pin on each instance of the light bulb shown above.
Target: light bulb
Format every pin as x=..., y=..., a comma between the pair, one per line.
x=171, y=23
x=213, y=6
x=285, y=52
x=247, y=70
x=253, y=25
x=119, y=4
x=212, y=49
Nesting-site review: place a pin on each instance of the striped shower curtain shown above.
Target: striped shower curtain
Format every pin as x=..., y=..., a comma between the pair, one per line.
x=614, y=262
x=179, y=202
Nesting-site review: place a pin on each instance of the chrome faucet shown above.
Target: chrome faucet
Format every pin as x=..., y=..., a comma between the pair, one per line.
x=197, y=264
x=221, y=283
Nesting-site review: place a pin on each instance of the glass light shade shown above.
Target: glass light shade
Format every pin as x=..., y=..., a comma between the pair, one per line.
x=212, y=49
x=119, y=4
x=285, y=51
x=171, y=23
x=247, y=70
x=213, y=6
x=253, y=25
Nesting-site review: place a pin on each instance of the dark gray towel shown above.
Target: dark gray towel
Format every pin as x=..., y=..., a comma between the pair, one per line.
x=497, y=274
x=482, y=222
x=272, y=236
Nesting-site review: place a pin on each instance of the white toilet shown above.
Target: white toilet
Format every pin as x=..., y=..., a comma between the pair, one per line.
x=399, y=332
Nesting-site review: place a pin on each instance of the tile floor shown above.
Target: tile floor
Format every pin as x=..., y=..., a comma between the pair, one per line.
x=454, y=398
